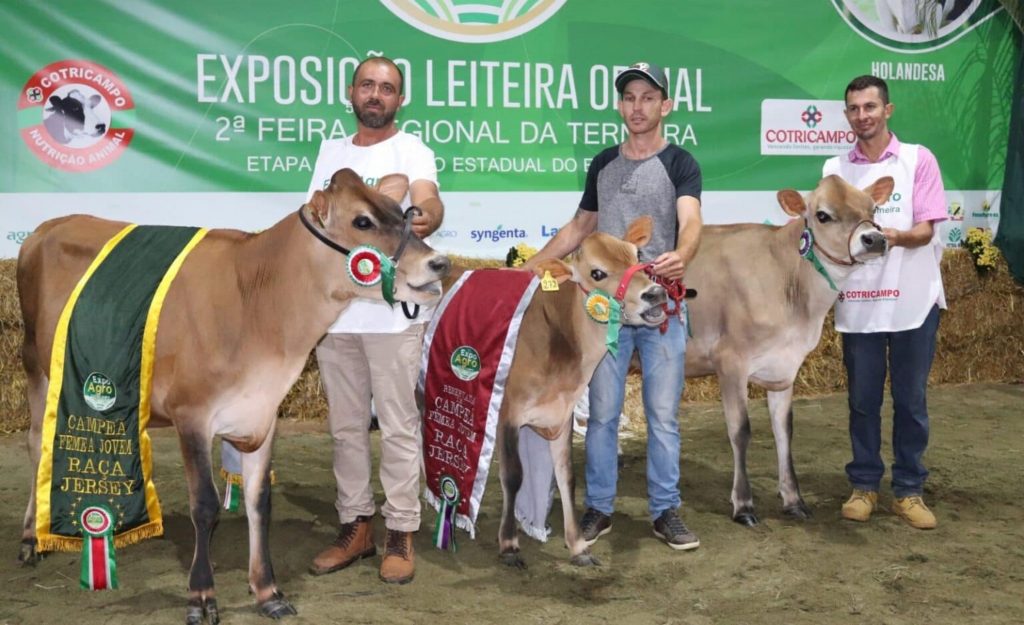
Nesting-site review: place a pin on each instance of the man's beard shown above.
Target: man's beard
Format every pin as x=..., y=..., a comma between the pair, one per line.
x=373, y=120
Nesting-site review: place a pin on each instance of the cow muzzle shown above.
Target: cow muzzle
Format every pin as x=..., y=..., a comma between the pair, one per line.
x=655, y=297
x=867, y=242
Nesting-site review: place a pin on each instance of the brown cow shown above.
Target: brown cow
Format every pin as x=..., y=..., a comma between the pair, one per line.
x=235, y=332
x=557, y=351
x=761, y=309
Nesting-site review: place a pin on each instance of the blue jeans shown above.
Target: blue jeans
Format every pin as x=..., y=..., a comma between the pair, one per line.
x=909, y=360
x=662, y=357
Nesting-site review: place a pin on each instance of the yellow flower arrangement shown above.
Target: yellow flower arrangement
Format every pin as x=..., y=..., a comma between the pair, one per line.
x=519, y=254
x=979, y=244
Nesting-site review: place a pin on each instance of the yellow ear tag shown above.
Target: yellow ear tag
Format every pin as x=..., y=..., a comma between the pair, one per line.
x=547, y=283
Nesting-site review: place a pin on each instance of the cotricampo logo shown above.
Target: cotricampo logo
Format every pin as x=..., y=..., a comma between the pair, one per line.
x=76, y=115
x=811, y=116
x=471, y=21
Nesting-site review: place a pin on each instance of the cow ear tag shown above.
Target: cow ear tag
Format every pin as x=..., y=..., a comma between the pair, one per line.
x=367, y=266
x=548, y=283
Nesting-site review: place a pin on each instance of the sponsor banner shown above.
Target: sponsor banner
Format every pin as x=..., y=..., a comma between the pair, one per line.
x=515, y=98
x=805, y=127
x=969, y=209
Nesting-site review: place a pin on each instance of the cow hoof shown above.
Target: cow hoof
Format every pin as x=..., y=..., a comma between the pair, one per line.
x=206, y=611
x=277, y=607
x=748, y=519
x=513, y=560
x=27, y=555
x=798, y=511
x=585, y=559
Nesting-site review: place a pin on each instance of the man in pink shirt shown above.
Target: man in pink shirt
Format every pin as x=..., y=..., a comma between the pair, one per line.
x=888, y=311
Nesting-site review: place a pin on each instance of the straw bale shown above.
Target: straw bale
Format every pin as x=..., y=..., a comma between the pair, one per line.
x=981, y=339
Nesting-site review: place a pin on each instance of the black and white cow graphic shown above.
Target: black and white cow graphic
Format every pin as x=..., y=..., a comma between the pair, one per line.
x=919, y=17
x=74, y=116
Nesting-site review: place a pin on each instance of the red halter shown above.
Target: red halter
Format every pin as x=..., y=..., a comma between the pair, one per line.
x=675, y=289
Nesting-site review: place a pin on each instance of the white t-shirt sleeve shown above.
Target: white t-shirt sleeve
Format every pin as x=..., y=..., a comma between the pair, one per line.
x=419, y=163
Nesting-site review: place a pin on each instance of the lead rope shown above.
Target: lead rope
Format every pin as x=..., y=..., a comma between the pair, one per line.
x=676, y=291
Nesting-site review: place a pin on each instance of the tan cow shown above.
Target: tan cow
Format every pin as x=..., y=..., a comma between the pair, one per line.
x=761, y=308
x=558, y=349
x=236, y=328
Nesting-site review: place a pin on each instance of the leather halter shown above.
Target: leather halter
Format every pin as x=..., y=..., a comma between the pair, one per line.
x=849, y=240
x=406, y=233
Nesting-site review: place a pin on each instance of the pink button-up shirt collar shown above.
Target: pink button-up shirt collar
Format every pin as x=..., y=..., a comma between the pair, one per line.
x=858, y=157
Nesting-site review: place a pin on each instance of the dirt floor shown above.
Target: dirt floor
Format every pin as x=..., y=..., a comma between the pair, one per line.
x=969, y=570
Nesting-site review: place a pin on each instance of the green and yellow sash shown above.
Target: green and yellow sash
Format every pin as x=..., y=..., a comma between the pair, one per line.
x=95, y=449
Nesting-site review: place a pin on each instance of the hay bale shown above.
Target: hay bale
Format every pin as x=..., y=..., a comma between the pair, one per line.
x=13, y=402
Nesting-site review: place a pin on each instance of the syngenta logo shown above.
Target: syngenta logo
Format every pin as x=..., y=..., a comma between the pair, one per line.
x=497, y=234
x=473, y=21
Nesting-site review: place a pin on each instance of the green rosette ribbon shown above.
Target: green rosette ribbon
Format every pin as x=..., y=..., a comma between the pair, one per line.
x=444, y=526
x=99, y=568
x=603, y=308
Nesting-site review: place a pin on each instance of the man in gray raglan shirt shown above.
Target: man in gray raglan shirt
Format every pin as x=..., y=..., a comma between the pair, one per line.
x=645, y=175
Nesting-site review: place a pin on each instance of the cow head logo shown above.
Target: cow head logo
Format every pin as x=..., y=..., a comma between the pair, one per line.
x=74, y=115
x=471, y=21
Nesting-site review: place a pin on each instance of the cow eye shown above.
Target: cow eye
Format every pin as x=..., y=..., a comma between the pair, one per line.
x=362, y=222
x=823, y=217
x=598, y=275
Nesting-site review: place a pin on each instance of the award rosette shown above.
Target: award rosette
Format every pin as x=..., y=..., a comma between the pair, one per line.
x=368, y=266
x=444, y=527
x=806, y=251
x=467, y=354
x=99, y=568
x=94, y=483
x=603, y=308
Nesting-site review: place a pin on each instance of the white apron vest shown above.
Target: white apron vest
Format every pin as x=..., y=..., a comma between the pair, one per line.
x=897, y=291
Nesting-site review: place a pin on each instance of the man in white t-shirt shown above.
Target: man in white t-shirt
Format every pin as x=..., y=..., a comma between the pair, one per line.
x=374, y=349
x=888, y=311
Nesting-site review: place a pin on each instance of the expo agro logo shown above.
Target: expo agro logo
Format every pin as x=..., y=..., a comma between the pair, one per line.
x=73, y=115
x=914, y=26
x=99, y=391
x=465, y=363
x=473, y=21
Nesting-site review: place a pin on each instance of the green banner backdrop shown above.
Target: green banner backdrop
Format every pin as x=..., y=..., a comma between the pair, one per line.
x=211, y=113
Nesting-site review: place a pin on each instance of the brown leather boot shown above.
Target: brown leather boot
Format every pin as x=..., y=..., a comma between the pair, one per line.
x=354, y=541
x=399, y=564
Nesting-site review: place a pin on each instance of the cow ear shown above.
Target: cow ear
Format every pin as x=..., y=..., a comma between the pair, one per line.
x=639, y=232
x=881, y=190
x=346, y=178
x=55, y=100
x=791, y=202
x=319, y=208
x=94, y=100
x=395, y=186
x=558, y=269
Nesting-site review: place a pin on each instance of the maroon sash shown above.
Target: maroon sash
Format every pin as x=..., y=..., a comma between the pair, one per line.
x=467, y=354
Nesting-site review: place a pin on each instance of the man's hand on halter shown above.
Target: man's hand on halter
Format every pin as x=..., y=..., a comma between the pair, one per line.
x=670, y=265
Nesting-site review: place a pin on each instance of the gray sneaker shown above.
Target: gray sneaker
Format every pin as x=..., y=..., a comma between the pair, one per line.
x=594, y=525
x=670, y=528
